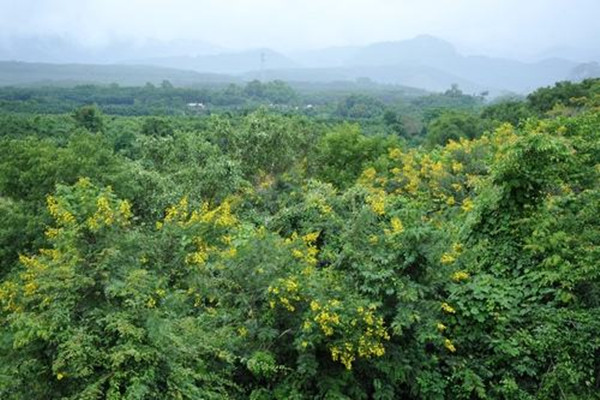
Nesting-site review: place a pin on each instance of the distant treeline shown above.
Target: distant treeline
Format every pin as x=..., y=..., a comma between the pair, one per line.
x=415, y=115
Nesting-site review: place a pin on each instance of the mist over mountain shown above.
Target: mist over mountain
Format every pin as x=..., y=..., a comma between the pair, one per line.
x=13, y=73
x=425, y=62
x=59, y=49
x=224, y=63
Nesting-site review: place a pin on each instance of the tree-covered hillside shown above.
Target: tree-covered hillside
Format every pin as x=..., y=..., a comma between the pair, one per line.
x=431, y=247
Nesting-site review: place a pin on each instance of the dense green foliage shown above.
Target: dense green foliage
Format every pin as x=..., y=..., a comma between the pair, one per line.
x=268, y=254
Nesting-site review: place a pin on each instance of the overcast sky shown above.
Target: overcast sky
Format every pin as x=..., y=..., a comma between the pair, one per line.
x=500, y=27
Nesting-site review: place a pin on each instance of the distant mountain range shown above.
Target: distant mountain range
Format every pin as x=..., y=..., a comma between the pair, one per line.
x=57, y=49
x=424, y=62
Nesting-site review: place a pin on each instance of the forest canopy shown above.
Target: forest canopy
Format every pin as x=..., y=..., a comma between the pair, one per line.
x=419, y=247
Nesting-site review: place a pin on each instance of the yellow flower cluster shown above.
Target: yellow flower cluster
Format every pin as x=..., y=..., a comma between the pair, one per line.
x=217, y=218
x=220, y=216
x=396, y=227
x=200, y=256
x=286, y=292
x=448, y=308
x=58, y=212
x=368, y=345
x=451, y=256
x=503, y=137
x=467, y=205
x=449, y=345
x=318, y=201
x=410, y=172
x=376, y=201
x=178, y=212
x=106, y=216
x=447, y=258
x=457, y=167
x=439, y=175
x=125, y=211
x=395, y=154
x=460, y=276
x=33, y=267
x=242, y=331
x=362, y=334
x=309, y=252
x=311, y=238
x=52, y=233
x=369, y=175
x=345, y=354
x=159, y=293
x=8, y=296
x=326, y=318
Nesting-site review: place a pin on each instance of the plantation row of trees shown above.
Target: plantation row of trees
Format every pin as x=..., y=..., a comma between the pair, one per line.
x=267, y=255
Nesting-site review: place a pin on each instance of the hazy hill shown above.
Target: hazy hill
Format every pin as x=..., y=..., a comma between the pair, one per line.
x=226, y=63
x=324, y=58
x=585, y=71
x=422, y=50
x=425, y=62
x=423, y=77
x=56, y=49
x=21, y=73
x=433, y=64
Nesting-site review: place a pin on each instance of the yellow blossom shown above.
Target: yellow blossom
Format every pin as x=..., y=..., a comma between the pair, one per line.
x=447, y=258
x=457, y=248
x=449, y=345
x=395, y=154
x=448, y=308
x=456, y=167
x=297, y=253
x=307, y=325
x=457, y=187
x=314, y=305
x=310, y=238
x=52, y=233
x=460, y=276
x=61, y=215
x=467, y=205
x=125, y=211
x=377, y=202
x=397, y=226
x=242, y=331
x=369, y=174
